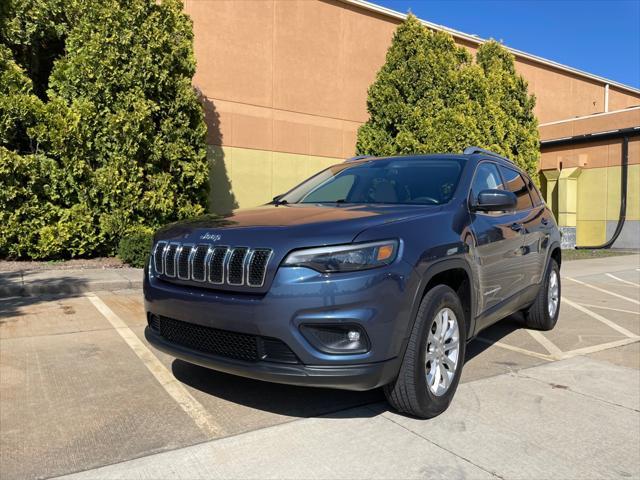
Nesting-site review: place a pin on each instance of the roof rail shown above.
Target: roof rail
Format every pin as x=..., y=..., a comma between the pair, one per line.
x=357, y=157
x=472, y=150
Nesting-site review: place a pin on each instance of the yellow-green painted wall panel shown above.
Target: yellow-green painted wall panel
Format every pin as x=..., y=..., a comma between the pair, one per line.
x=599, y=193
x=599, y=201
x=592, y=195
x=243, y=177
x=591, y=232
x=633, y=193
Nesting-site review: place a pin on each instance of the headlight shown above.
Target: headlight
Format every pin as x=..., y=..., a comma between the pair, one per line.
x=345, y=258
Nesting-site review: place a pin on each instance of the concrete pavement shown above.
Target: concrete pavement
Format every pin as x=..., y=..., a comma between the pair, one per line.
x=576, y=418
x=80, y=390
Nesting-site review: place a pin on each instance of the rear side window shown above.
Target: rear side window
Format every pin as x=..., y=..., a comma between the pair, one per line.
x=486, y=178
x=516, y=184
x=535, y=193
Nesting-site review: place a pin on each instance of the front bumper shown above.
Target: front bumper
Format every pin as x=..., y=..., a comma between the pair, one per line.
x=379, y=301
x=346, y=377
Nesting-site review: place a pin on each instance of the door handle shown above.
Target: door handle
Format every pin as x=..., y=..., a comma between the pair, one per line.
x=516, y=227
x=544, y=221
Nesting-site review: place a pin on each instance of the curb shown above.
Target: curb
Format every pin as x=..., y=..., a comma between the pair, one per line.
x=64, y=284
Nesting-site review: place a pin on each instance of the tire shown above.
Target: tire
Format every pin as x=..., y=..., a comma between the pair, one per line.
x=539, y=315
x=411, y=392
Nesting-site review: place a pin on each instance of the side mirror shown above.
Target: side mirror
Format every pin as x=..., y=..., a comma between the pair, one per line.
x=495, y=201
x=277, y=197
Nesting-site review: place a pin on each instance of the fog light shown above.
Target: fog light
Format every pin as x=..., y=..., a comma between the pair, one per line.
x=353, y=336
x=336, y=339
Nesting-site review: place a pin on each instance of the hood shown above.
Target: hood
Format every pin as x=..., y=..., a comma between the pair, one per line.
x=300, y=224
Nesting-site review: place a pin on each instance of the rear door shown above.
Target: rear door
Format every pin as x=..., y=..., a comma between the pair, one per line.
x=498, y=245
x=529, y=220
x=538, y=225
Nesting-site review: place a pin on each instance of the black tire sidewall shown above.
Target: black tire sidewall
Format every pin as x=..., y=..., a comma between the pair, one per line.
x=437, y=298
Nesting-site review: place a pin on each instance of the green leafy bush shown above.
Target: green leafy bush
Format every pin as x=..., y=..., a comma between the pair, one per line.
x=430, y=97
x=135, y=246
x=109, y=137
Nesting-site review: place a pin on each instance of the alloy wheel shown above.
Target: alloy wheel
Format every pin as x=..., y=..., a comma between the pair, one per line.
x=442, y=352
x=553, y=294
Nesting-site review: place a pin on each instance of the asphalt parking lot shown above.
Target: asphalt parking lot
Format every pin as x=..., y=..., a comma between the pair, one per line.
x=81, y=389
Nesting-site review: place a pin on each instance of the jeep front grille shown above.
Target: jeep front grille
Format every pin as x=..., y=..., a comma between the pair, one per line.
x=170, y=259
x=235, y=267
x=216, y=265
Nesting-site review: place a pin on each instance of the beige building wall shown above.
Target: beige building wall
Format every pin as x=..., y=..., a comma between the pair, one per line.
x=291, y=77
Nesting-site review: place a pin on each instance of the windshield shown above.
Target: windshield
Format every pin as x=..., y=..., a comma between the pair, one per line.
x=420, y=181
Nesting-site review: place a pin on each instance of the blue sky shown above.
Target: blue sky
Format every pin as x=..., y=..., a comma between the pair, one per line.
x=598, y=36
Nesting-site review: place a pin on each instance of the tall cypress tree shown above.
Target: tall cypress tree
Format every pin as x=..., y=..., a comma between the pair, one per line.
x=430, y=97
x=112, y=140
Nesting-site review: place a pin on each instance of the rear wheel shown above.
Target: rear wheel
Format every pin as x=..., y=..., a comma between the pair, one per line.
x=543, y=313
x=432, y=364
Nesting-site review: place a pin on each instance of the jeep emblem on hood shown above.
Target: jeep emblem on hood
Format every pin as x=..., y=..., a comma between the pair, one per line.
x=214, y=237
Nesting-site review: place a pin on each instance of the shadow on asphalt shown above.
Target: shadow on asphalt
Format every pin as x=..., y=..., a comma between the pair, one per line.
x=280, y=399
x=306, y=402
x=494, y=333
x=13, y=299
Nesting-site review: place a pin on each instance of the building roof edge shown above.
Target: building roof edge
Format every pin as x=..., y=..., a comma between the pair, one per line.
x=477, y=40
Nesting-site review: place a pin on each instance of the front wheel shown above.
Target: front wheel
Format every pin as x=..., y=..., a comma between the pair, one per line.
x=432, y=364
x=543, y=313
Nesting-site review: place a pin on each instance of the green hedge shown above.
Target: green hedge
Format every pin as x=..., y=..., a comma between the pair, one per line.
x=430, y=97
x=135, y=246
x=111, y=137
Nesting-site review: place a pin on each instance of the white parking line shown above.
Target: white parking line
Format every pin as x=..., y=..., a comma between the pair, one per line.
x=546, y=343
x=600, y=347
x=506, y=346
x=633, y=284
x=175, y=389
x=637, y=312
x=603, y=291
x=600, y=318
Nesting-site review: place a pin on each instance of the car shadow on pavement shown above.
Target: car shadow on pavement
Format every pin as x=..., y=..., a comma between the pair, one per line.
x=306, y=402
x=303, y=402
x=289, y=400
x=493, y=334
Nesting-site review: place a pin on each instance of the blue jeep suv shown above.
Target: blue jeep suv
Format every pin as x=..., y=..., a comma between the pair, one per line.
x=374, y=272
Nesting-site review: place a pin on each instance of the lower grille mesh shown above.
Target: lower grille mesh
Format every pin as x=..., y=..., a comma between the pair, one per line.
x=238, y=346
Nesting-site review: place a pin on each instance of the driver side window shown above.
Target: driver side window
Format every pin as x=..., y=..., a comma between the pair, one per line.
x=486, y=178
